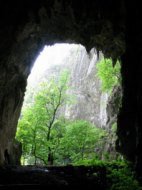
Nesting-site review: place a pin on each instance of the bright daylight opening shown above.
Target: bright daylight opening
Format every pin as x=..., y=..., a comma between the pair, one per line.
x=50, y=56
x=66, y=116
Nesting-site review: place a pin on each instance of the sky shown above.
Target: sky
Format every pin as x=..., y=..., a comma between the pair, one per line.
x=51, y=55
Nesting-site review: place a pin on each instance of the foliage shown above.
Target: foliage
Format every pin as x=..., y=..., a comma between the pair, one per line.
x=81, y=141
x=114, y=127
x=71, y=141
x=109, y=75
x=119, y=174
x=37, y=120
x=120, y=177
x=48, y=137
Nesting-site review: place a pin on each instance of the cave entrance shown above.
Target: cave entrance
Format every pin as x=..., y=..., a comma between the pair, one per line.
x=66, y=116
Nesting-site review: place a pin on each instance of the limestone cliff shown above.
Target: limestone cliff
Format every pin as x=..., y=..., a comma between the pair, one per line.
x=90, y=102
x=87, y=89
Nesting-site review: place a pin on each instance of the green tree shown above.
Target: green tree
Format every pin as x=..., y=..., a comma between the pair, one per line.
x=39, y=119
x=81, y=141
x=48, y=137
x=109, y=75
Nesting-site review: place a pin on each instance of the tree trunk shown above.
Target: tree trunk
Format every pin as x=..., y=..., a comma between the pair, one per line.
x=50, y=158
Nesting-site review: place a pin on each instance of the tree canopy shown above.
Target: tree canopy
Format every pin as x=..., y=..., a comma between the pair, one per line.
x=108, y=74
x=37, y=120
x=47, y=137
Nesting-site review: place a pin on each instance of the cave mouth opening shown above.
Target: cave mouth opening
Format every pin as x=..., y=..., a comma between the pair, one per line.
x=56, y=135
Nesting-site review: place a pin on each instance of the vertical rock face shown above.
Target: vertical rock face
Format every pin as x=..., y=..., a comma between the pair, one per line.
x=11, y=98
x=14, y=70
x=113, y=105
x=103, y=109
x=85, y=87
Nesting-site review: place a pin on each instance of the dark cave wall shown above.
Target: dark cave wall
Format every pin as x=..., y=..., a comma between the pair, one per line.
x=113, y=27
x=13, y=74
x=130, y=117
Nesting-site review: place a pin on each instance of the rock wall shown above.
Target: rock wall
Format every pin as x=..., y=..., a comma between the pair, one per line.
x=87, y=89
x=113, y=106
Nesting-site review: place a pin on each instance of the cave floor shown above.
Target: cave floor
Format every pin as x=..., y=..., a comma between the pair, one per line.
x=53, y=176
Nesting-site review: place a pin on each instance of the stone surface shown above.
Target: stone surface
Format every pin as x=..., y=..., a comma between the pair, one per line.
x=87, y=89
x=113, y=106
x=64, y=176
x=84, y=87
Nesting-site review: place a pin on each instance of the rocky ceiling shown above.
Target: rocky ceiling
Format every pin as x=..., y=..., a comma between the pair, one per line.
x=107, y=25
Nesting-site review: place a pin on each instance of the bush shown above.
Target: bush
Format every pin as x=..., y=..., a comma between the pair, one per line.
x=120, y=176
x=109, y=75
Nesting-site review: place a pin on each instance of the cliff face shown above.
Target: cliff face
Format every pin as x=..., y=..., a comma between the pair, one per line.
x=85, y=87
